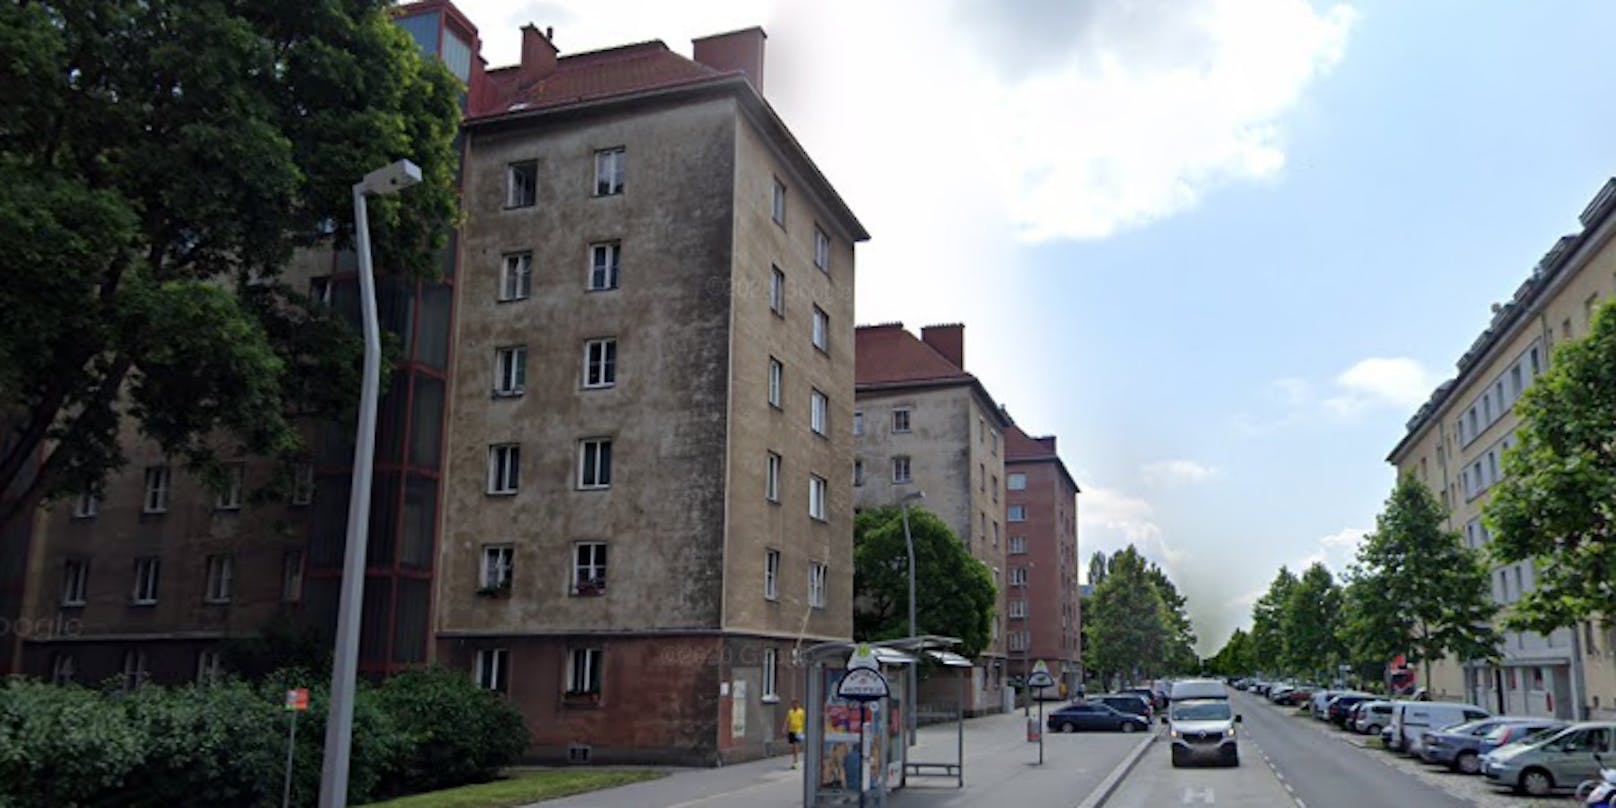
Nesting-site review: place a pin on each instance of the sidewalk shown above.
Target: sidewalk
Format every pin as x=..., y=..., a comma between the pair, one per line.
x=998, y=768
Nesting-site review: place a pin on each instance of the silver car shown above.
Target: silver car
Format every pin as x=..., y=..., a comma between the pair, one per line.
x=1203, y=730
x=1539, y=765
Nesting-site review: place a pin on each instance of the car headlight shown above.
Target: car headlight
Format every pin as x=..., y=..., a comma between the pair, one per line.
x=1228, y=733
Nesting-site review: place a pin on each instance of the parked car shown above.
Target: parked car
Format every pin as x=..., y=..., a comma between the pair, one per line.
x=1340, y=708
x=1524, y=731
x=1459, y=747
x=1091, y=715
x=1203, y=729
x=1539, y=765
x=1412, y=719
x=1279, y=692
x=1372, y=717
x=1297, y=696
x=1319, y=701
x=1146, y=693
x=1128, y=703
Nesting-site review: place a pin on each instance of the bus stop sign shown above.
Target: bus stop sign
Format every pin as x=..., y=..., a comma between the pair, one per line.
x=1040, y=677
x=863, y=680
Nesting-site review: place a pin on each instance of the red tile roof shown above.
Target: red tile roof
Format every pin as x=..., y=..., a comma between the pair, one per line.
x=887, y=354
x=596, y=75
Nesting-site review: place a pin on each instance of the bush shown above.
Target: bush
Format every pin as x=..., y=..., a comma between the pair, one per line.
x=205, y=745
x=377, y=743
x=454, y=731
x=62, y=746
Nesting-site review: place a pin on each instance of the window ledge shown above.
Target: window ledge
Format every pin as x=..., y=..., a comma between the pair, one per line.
x=771, y=698
x=497, y=394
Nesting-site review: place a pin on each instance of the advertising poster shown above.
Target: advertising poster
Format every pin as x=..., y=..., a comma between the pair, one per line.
x=842, y=760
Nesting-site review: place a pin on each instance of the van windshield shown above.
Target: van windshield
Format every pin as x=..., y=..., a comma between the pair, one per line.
x=1201, y=711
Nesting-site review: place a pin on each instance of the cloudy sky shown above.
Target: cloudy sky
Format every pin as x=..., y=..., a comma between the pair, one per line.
x=1221, y=248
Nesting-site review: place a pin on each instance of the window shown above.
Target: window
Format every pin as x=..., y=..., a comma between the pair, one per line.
x=1016, y=481
x=521, y=184
x=145, y=589
x=817, y=405
x=510, y=370
x=63, y=668
x=235, y=477
x=995, y=488
x=492, y=669
x=498, y=563
x=589, y=568
x=583, y=671
x=604, y=260
x=207, y=666
x=777, y=291
x=1520, y=585
x=858, y=473
x=1018, y=641
x=900, y=420
x=858, y=423
x=776, y=371
x=1018, y=545
x=821, y=250
x=1018, y=609
x=993, y=440
x=595, y=463
x=821, y=329
x=982, y=520
x=220, y=574
x=771, y=575
x=816, y=497
x=609, y=164
x=995, y=534
x=1533, y=356
x=1018, y=576
x=982, y=477
x=157, y=479
x=770, y=668
x=1515, y=381
x=816, y=585
x=320, y=290
x=303, y=484
x=516, y=278
x=292, y=576
x=1017, y=513
x=900, y=469
x=134, y=669
x=771, y=478
x=75, y=581
x=504, y=468
x=85, y=505
x=600, y=362
x=778, y=209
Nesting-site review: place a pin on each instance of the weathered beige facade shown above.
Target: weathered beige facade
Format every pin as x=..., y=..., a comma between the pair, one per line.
x=1455, y=446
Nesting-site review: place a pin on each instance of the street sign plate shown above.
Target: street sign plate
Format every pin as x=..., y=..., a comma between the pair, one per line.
x=297, y=699
x=1040, y=676
x=862, y=684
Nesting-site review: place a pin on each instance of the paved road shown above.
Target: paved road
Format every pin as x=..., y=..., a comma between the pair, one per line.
x=1154, y=783
x=1319, y=771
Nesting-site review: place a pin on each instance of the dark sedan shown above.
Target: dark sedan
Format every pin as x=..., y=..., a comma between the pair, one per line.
x=1095, y=716
x=1340, y=707
x=1128, y=703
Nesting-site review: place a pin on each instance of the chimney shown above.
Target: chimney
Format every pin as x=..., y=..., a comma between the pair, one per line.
x=948, y=340
x=538, y=52
x=735, y=51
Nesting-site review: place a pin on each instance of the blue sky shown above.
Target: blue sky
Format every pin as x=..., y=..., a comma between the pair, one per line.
x=1221, y=248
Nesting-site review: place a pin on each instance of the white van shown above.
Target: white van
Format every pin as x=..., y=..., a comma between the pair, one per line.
x=1199, y=689
x=1410, y=719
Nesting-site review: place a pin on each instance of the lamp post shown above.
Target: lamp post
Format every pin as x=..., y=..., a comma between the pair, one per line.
x=344, y=667
x=909, y=544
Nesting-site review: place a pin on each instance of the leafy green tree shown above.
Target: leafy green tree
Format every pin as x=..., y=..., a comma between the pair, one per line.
x=161, y=160
x=1426, y=574
x=1372, y=628
x=1267, y=616
x=1128, y=623
x=1554, y=505
x=61, y=745
x=1098, y=564
x=1311, y=623
x=1235, y=657
x=954, y=593
x=210, y=744
x=1179, y=644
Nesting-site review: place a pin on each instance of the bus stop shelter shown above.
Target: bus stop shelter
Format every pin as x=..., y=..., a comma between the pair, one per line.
x=855, y=754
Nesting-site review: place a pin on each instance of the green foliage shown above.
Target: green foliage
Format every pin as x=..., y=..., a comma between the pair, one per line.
x=161, y=160
x=1178, y=648
x=954, y=593
x=1267, y=619
x=454, y=731
x=282, y=644
x=1421, y=584
x=1129, y=629
x=62, y=745
x=1556, y=506
x=205, y=745
x=1237, y=657
x=1311, y=624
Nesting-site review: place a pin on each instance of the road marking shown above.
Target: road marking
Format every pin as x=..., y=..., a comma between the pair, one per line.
x=1204, y=796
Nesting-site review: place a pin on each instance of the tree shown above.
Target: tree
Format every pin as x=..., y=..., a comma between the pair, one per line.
x=1311, y=621
x=1235, y=657
x=161, y=160
x=1267, y=632
x=1372, y=628
x=1128, y=623
x=1179, y=644
x=1424, y=573
x=1098, y=564
x=954, y=593
x=1554, y=506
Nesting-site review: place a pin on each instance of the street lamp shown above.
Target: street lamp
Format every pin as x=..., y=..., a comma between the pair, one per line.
x=909, y=544
x=344, y=668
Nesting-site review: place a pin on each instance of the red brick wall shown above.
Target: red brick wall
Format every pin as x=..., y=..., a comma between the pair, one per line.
x=1050, y=526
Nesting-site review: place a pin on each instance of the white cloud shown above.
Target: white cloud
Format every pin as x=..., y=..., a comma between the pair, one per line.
x=1177, y=472
x=1335, y=551
x=1109, y=520
x=1381, y=381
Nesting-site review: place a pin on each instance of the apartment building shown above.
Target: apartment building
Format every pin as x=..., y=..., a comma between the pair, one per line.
x=924, y=424
x=648, y=506
x=1044, y=615
x=1454, y=445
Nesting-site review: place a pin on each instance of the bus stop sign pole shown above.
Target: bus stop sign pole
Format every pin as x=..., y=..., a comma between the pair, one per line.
x=1040, y=679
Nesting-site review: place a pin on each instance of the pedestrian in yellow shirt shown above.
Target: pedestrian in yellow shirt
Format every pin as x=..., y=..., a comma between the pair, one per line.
x=796, y=721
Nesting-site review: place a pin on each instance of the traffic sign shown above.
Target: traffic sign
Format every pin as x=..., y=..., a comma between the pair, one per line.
x=1040, y=677
x=297, y=699
x=863, y=680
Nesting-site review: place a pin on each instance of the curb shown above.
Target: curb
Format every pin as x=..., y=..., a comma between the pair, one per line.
x=1108, y=786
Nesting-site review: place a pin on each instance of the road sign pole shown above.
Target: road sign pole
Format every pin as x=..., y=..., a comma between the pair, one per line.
x=291, y=744
x=1040, y=726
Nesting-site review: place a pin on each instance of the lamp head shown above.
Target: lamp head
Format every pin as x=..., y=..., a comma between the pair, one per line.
x=390, y=178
